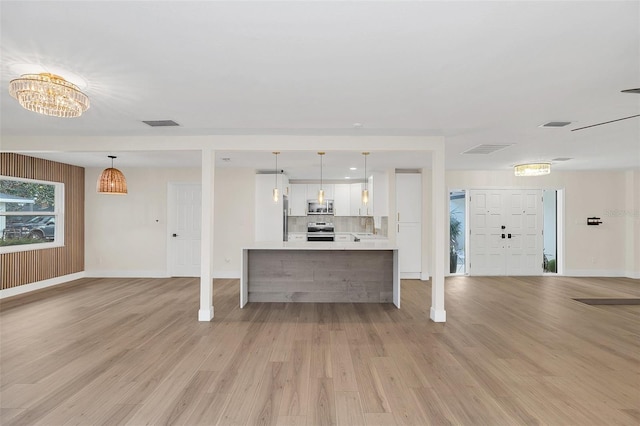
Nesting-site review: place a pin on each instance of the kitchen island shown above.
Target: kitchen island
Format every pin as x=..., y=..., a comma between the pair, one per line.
x=351, y=272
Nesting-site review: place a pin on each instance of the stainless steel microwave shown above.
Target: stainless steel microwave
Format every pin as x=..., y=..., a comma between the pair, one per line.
x=314, y=207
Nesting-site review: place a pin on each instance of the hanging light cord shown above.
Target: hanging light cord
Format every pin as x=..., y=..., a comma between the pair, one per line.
x=365, y=172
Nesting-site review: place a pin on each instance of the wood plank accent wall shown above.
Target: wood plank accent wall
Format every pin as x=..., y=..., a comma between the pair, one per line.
x=26, y=267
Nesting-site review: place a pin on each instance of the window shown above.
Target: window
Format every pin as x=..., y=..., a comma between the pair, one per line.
x=457, y=231
x=31, y=214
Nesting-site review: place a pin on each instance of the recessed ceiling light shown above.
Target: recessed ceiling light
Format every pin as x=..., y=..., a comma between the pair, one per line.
x=347, y=177
x=555, y=124
x=357, y=125
x=226, y=159
x=353, y=168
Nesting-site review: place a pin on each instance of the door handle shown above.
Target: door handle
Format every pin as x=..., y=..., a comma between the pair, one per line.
x=503, y=236
x=174, y=235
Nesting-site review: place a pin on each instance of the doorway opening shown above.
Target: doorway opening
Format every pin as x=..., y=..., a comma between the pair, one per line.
x=457, y=231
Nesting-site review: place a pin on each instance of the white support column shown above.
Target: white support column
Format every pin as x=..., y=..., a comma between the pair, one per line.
x=438, y=234
x=206, y=243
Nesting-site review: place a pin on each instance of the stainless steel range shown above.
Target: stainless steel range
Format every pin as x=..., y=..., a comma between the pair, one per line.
x=320, y=231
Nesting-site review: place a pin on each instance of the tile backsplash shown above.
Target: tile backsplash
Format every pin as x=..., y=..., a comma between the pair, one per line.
x=341, y=223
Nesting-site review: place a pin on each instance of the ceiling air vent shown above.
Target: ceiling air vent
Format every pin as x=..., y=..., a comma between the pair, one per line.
x=160, y=123
x=562, y=159
x=556, y=124
x=485, y=149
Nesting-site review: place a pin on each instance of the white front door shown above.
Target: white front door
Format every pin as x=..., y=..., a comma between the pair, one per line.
x=506, y=232
x=184, y=212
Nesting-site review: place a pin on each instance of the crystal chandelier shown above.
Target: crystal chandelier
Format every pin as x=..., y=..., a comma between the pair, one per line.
x=532, y=169
x=49, y=94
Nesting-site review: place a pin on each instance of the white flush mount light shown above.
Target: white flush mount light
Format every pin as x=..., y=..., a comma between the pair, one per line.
x=532, y=169
x=353, y=168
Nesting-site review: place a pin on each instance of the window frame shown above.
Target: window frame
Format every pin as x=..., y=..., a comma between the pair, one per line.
x=57, y=213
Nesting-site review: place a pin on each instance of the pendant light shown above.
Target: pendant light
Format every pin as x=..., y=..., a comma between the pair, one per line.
x=112, y=181
x=275, y=188
x=321, y=191
x=365, y=190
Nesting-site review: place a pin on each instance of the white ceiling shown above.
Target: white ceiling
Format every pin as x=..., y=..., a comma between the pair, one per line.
x=473, y=72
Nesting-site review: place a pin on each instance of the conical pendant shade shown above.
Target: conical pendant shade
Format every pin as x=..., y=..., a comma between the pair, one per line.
x=112, y=181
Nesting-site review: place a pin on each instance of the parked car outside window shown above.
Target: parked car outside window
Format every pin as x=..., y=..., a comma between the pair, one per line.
x=38, y=227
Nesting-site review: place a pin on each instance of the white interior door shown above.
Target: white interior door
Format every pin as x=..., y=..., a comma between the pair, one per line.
x=524, y=242
x=184, y=223
x=505, y=232
x=486, y=246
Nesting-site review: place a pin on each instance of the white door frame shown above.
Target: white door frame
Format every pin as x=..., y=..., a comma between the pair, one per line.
x=560, y=222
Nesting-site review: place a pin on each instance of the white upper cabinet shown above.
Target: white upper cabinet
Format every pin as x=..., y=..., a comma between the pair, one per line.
x=409, y=197
x=298, y=199
x=356, y=200
x=342, y=199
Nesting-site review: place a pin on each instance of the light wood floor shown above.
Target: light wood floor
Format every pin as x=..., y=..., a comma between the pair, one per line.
x=131, y=351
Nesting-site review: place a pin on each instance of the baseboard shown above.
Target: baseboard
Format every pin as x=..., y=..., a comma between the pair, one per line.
x=633, y=275
x=39, y=285
x=438, y=315
x=205, y=314
x=151, y=274
x=227, y=274
x=127, y=274
x=593, y=273
x=410, y=275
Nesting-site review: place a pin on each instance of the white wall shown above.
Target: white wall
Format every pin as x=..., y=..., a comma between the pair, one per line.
x=123, y=239
x=126, y=235
x=234, y=215
x=631, y=215
x=122, y=235
x=589, y=250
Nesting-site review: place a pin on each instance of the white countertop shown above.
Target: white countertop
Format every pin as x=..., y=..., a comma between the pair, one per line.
x=324, y=245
